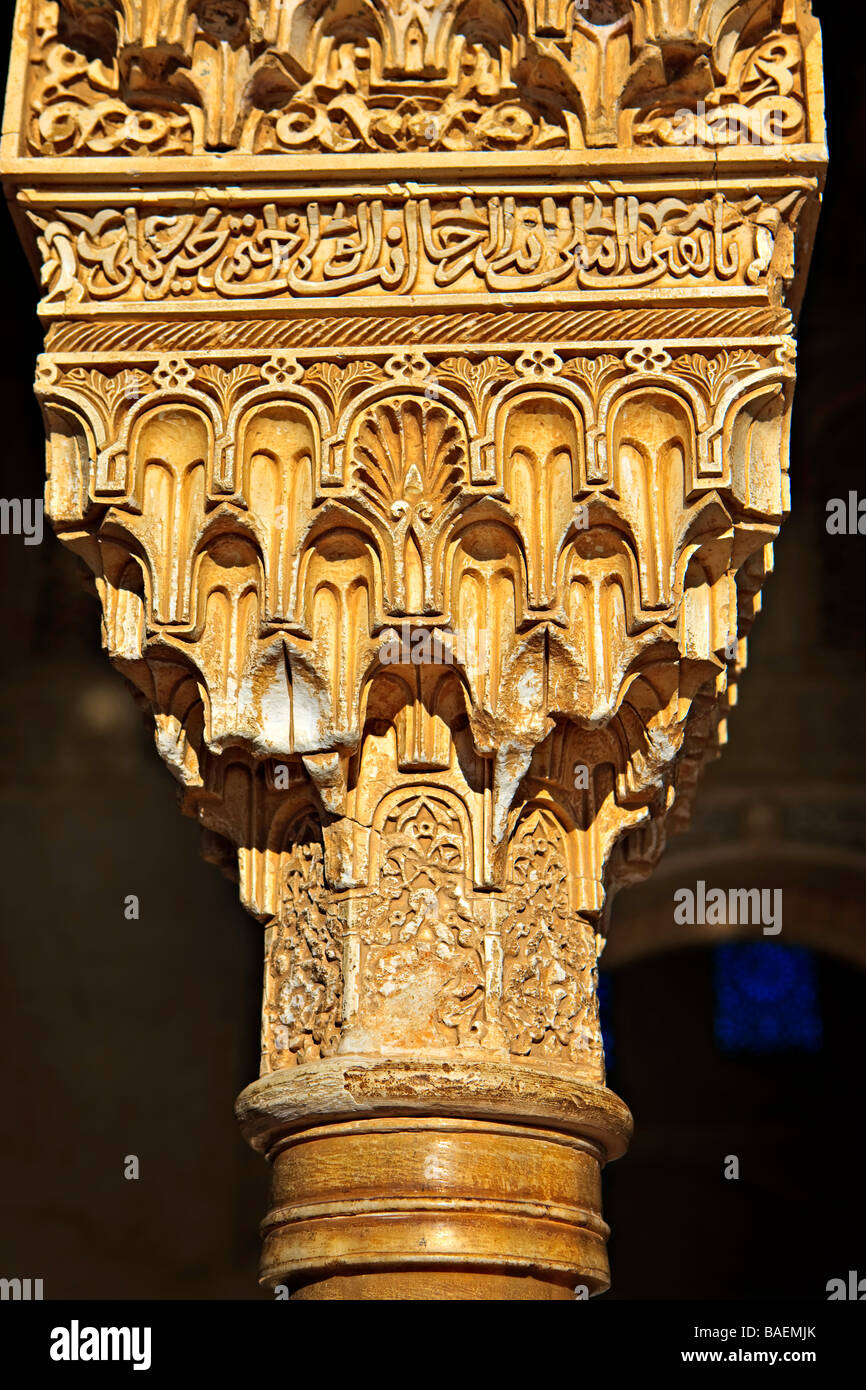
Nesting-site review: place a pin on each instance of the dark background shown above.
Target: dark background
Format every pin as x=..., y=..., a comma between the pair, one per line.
x=124, y=1038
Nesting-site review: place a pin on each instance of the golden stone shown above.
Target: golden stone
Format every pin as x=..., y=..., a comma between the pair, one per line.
x=417, y=386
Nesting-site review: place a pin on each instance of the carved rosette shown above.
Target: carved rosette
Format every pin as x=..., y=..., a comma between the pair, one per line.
x=431, y=525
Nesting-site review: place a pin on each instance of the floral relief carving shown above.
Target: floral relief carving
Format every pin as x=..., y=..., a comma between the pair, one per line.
x=421, y=957
x=140, y=77
x=549, y=996
x=761, y=103
x=304, y=969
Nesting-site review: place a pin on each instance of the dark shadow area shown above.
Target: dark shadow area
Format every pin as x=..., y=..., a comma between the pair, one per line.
x=795, y=1216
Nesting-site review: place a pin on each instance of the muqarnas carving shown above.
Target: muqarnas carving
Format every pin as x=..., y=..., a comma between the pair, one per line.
x=440, y=661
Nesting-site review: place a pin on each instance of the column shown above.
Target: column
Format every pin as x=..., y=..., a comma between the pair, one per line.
x=417, y=390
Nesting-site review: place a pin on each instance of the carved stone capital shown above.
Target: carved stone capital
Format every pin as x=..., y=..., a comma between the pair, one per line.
x=428, y=492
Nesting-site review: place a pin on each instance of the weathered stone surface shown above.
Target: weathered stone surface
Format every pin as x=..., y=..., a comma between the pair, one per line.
x=417, y=385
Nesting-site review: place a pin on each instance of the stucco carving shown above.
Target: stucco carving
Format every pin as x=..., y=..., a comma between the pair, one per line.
x=125, y=77
x=429, y=516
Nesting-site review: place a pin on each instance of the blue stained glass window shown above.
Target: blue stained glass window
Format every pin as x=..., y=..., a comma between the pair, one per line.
x=605, y=1004
x=766, y=998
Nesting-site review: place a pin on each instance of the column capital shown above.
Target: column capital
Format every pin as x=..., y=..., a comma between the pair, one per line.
x=417, y=387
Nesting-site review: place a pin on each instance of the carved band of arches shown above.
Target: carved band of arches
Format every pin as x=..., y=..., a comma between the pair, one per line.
x=469, y=578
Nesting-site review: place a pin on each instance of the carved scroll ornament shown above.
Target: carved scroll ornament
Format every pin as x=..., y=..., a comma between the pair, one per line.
x=132, y=77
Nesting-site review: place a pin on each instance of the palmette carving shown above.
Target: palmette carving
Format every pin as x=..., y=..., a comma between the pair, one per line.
x=146, y=77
